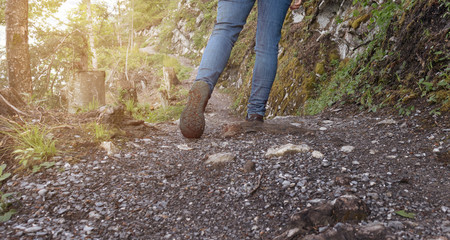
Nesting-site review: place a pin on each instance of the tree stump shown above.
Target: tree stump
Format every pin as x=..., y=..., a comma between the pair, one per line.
x=170, y=79
x=86, y=88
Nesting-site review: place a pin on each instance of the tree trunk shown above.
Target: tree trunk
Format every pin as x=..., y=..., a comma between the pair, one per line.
x=91, y=34
x=119, y=19
x=17, y=52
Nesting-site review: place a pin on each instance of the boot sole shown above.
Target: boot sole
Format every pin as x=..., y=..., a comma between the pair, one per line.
x=192, y=119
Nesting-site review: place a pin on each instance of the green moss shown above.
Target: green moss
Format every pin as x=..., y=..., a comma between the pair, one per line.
x=445, y=106
x=310, y=7
x=320, y=68
x=409, y=97
x=344, y=63
x=333, y=55
x=443, y=95
x=308, y=84
x=355, y=24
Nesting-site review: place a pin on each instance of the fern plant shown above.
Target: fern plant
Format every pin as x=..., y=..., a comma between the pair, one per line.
x=33, y=145
x=5, y=212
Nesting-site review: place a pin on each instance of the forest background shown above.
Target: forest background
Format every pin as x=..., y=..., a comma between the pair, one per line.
x=397, y=55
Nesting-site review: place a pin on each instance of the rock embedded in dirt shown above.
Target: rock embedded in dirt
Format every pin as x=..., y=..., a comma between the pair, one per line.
x=350, y=208
x=317, y=154
x=347, y=149
x=287, y=149
x=184, y=147
x=33, y=229
x=112, y=114
x=396, y=225
x=219, y=158
x=350, y=232
x=42, y=192
x=231, y=130
x=249, y=166
x=110, y=148
x=387, y=121
x=326, y=163
x=347, y=208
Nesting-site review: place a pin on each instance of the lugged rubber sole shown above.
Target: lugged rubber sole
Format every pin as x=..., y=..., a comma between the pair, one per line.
x=192, y=119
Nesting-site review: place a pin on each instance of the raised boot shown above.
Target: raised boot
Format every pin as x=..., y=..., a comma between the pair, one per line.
x=254, y=118
x=192, y=120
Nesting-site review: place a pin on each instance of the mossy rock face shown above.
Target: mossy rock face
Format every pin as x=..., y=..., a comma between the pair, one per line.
x=377, y=71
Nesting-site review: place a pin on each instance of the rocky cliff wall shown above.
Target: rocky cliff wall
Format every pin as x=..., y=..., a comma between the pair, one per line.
x=372, y=53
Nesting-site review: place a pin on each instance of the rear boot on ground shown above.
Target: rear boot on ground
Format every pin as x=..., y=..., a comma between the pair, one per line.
x=192, y=120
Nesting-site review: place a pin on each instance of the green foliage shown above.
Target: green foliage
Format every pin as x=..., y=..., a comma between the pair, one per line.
x=99, y=131
x=3, y=69
x=3, y=176
x=405, y=214
x=32, y=144
x=130, y=106
x=2, y=12
x=158, y=61
x=148, y=13
x=200, y=31
x=446, y=4
x=370, y=78
x=46, y=165
x=116, y=58
x=383, y=16
x=136, y=110
x=341, y=84
x=5, y=212
x=164, y=114
x=44, y=8
x=92, y=106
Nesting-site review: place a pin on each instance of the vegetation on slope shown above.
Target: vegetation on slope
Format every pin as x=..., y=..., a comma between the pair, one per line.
x=403, y=61
x=407, y=59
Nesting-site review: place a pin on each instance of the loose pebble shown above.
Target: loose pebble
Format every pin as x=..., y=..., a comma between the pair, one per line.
x=317, y=154
x=220, y=158
x=347, y=149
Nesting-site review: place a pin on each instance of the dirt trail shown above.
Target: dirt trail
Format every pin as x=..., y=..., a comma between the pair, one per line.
x=218, y=111
x=163, y=186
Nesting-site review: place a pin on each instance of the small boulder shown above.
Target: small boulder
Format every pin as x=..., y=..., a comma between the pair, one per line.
x=287, y=149
x=220, y=158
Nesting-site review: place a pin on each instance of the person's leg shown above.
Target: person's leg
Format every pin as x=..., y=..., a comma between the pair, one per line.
x=231, y=17
x=271, y=15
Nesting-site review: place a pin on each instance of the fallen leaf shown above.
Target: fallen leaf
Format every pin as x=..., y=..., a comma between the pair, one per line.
x=405, y=214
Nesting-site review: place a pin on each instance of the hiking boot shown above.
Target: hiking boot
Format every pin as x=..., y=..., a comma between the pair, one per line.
x=192, y=119
x=254, y=118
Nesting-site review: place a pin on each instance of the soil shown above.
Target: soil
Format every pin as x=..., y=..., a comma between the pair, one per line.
x=158, y=186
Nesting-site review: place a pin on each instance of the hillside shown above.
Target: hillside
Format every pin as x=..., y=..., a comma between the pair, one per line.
x=392, y=54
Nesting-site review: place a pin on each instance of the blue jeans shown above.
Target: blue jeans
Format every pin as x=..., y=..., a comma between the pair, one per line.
x=231, y=17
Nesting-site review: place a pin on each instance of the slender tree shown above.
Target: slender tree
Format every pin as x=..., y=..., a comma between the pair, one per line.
x=17, y=52
x=91, y=34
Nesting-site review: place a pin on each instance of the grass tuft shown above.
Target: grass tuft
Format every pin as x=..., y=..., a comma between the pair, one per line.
x=33, y=144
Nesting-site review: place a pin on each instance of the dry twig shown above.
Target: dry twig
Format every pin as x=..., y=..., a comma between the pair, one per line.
x=257, y=185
